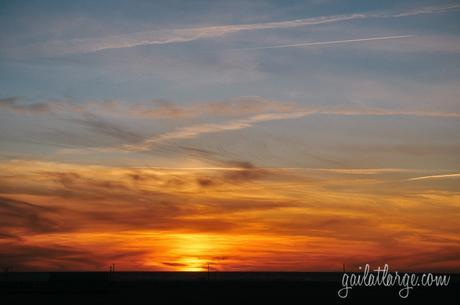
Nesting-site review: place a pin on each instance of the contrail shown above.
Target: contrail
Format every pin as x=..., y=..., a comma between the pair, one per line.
x=182, y=35
x=435, y=177
x=320, y=43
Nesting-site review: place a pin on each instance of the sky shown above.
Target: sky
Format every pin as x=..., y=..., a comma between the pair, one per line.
x=250, y=135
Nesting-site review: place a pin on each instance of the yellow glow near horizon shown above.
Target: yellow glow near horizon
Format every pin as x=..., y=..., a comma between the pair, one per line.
x=86, y=217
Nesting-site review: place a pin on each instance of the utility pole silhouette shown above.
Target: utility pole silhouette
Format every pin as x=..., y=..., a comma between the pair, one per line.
x=344, y=268
x=209, y=275
x=6, y=269
x=111, y=270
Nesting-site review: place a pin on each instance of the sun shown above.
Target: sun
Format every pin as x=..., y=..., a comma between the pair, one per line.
x=194, y=252
x=192, y=264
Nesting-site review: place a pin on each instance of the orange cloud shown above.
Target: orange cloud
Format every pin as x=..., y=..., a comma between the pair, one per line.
x=235, y=217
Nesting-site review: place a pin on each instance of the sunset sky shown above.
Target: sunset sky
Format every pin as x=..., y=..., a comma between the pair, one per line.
x=250, y=135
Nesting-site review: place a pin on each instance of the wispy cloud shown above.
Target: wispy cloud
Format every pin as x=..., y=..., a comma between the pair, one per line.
x=383, y=112
x=236, y=107
x=364, y=171
x=100, y=125
x=447, y=176
x=428, y=10
x=168, y=36
x=321, y=43
x=244, y=111
x=195, y=131
x=159, y=37
x=12, y=103
x=172, y=211
x=200, y=129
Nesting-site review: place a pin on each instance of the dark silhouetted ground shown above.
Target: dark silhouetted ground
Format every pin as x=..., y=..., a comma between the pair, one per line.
x=85, y=288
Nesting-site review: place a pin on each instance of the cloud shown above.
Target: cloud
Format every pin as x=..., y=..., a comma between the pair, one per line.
x=446, y=176
x=194, y=131
x=29, y=256
x=427, y=10
x=389, y=112
x=215, y=117
x=321, y=43
x=363, y=171
x=129, y=195
x=103, y=126
x=235, y=107
x=76, y=113
x=12, y=104
x=20, y=257
x=19, y=218
x=234, y=173
x=163, y=109
x=161, y=37
x=69, y=216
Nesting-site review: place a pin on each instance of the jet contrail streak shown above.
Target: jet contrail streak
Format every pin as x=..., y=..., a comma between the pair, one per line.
x=319, y=43
x=182, y=35
x=435, y=177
